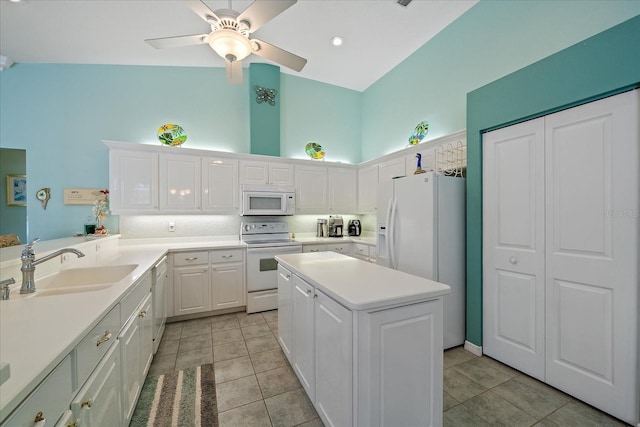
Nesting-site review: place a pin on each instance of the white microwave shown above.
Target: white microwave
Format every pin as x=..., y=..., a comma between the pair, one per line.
x=268, y=200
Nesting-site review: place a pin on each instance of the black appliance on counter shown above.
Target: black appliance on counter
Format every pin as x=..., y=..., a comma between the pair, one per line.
x=354, y=228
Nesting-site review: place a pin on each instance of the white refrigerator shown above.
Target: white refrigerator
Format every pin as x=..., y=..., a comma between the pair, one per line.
x=421, y=231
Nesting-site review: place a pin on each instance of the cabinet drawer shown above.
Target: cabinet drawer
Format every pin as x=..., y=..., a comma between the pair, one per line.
x=133, y=299
x=228, y=255
x=343, y=248
x=360, y=250
x=96, y=343
x=314, y=248
x=190, y=258
x=51, y=398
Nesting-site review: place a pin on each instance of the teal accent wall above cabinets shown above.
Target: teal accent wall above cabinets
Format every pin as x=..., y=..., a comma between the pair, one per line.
x=264, y=120
x=599, y=66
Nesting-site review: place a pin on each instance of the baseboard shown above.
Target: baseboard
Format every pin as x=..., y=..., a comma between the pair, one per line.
x=472, y=348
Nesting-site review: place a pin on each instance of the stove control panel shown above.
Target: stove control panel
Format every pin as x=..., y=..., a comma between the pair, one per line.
x=263, y=228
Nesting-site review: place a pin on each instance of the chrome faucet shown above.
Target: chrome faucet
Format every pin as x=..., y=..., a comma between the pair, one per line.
x=29, y=263
x=5, y=287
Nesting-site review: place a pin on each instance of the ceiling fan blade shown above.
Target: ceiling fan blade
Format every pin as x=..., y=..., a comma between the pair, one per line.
x=279, y=56
x=262, y=11
x=179, y=41
x=234, y=72
x=203, y=11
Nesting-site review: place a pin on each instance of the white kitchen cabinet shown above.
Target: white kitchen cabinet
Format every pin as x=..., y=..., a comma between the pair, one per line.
x=49, y=400
x=360, y=251
x=145, y=317
x=311, y=189
x=560, y=250
x=342, y=190
x=333, y=361
x=191, y=289
x=133, y=181
x=180, y=183
x=220, y=190
x=285, y=307
x=391, y=168
x=341, y=248
x=227, y=285
x=322, y=247
x=303, y=334
x=99, y=401
x=262, y=173
x=367, y=189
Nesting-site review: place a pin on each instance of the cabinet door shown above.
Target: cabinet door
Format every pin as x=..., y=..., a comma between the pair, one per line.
x=220, y=189
x=285, y=307
x=513, y=246
x=145, y=318
x=254, y=172
x=342, y=190
x=314, y=248
x=131, y=357
x=133, y=181
x=227, y=286
x=191, y=288
x=334, y=361
x=180, y=183
x=341, y=248
x=303, y=335
x=367, y=189
x=280, y=174
x=311, y=189
x=391, y=169
x=99, y=401
x=592, y=180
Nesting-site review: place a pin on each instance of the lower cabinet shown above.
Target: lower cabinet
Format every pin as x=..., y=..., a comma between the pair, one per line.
x=99, y=402
x=191, y=290
x=394, y=355
x=227, y=285
x=136, y=343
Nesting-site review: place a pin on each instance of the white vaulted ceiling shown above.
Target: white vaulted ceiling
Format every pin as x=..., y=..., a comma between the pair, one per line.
x=378, y=34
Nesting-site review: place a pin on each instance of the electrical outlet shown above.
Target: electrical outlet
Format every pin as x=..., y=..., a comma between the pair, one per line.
x=97, y=247
x=172, y=226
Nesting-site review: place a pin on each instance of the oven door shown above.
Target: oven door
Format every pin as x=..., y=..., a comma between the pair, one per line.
x=262, y=267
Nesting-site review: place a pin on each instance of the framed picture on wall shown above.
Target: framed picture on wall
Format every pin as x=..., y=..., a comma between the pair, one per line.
x=17, y=190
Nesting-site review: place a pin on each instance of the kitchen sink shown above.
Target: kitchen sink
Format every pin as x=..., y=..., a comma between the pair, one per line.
x=76, y=280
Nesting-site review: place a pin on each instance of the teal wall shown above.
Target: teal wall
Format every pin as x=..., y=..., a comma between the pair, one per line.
x=60, y=113
x=264, y=122
x=491, y=40
x=329, y=115
x=599, y=66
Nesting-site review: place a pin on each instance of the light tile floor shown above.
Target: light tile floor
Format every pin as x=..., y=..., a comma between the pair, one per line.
x=256, y=386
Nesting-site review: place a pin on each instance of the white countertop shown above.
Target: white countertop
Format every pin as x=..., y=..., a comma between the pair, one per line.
x=359, y=285
x=36, y=333
x=310, y=239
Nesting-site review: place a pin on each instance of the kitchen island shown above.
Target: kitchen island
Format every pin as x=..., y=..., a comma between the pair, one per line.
x=364, y=340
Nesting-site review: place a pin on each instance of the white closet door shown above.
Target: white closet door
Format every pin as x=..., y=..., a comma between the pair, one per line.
x=513, y=246
x=592, y=252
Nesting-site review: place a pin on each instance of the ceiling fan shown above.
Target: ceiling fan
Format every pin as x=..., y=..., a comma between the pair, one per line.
x=229, y=36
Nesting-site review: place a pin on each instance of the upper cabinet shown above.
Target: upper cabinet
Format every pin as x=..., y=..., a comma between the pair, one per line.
x=180, y=183
x=220, y=192
x=266, y=173
x=311, y=189
x=133, y=181
x=342, y=190
x=367, y=189
x=391, y=169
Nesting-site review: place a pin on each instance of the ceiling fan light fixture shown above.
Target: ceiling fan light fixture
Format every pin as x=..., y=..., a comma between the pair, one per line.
x=337, y=41
x=230, y=45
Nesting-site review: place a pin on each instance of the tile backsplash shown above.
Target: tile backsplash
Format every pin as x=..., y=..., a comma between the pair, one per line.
x=146, y=226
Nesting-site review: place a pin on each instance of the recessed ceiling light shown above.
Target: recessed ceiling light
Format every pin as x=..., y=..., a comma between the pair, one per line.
x=337, y=41
x=15, y=1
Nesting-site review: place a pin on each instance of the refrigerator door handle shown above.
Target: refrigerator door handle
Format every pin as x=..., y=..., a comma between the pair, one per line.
x=392, y=234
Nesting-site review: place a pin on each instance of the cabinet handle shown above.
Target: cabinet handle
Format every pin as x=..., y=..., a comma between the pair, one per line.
x=142, y=313
x=288, y=276
x=513, y=260
x=106, y=337
x=40, y=418
x=308, y=291
x=86, y=403
x=74, y=424
x=205, y=269
x=314, y=250
x=361, y=250
x=315, y=295
x=193, y=258
x=227, y=256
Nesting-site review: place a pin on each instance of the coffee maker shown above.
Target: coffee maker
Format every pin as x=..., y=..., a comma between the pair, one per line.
x=335, y=226
x=354, y=228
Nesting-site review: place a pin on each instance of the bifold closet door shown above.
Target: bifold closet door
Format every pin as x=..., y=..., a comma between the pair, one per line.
x=592, y=186
x=513, y=246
